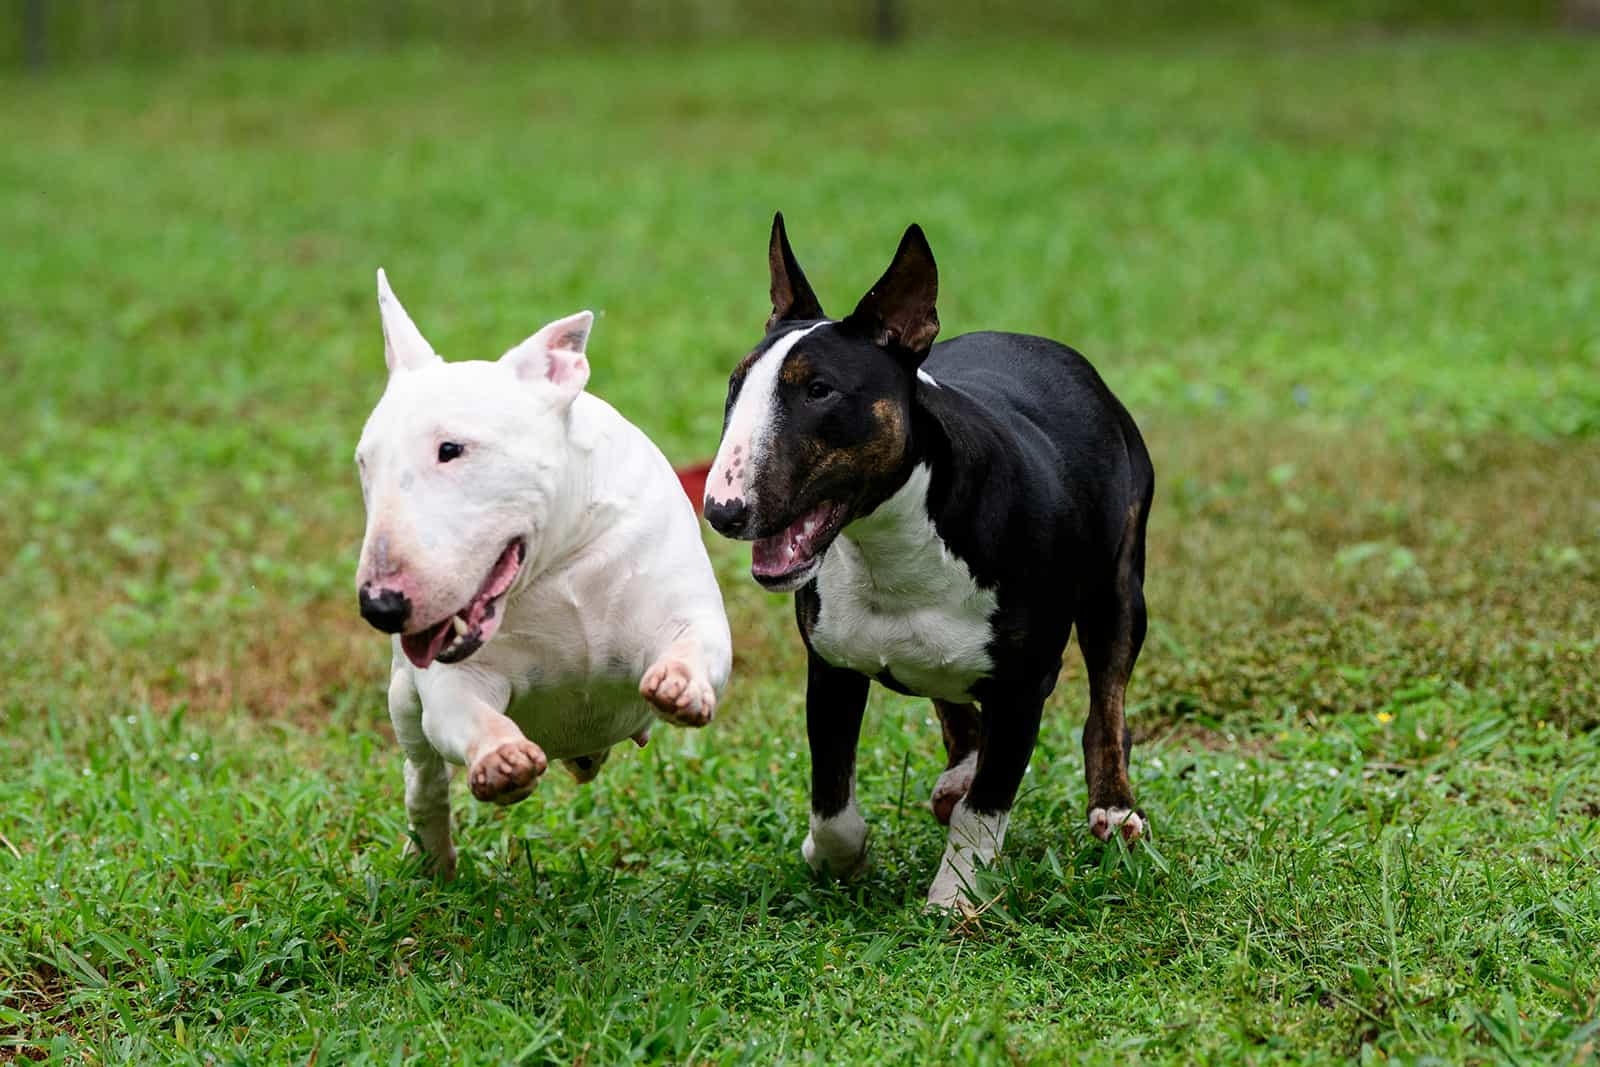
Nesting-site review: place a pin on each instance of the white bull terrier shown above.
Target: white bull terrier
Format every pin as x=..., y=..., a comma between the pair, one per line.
x=538, y=563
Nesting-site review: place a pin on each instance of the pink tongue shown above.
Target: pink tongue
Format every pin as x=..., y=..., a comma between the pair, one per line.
x=772, y=555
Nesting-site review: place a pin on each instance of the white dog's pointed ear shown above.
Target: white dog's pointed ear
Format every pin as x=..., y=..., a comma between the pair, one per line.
x=555, y=356
x=404, y=347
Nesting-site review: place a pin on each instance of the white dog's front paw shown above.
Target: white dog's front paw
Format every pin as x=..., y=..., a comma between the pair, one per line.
x=837, y=845
x=1102, y=821
x=951, y=787
x=679, y=692
x=508, y=772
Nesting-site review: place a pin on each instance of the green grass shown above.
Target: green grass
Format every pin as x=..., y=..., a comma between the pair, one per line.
x=1347, y=287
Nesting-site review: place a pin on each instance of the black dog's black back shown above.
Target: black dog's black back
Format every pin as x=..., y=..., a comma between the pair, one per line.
x=1055, y=445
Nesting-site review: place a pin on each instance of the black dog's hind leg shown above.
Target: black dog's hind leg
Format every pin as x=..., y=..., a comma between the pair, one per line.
x=836, y=699
x=962, y=727
x=1111, y=627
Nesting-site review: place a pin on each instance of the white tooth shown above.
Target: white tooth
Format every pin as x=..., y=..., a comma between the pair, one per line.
x=460, y=624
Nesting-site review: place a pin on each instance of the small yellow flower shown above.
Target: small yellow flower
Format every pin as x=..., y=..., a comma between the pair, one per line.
x=1386, y=716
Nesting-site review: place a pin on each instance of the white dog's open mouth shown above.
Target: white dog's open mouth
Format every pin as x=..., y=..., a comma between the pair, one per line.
x=458, y=636
x=788, y=559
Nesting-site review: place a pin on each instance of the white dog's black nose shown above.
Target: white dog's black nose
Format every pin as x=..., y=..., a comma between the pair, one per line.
x=385, y=609
x=727, y=517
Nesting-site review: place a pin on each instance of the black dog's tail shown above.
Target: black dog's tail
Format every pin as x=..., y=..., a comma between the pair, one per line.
x=1143, y=473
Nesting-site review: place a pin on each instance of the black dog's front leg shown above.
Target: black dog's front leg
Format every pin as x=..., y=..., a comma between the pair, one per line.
x=1009, y=729
x=835, y=701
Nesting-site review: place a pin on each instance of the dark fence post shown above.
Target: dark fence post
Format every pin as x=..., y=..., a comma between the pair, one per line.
x=33, y=33
x=886, y=27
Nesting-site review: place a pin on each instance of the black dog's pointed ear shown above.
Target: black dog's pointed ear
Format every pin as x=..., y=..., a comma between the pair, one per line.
x=899, y=311
x=792, y=298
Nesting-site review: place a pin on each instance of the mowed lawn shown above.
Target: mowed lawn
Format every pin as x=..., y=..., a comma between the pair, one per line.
x=1349, y=287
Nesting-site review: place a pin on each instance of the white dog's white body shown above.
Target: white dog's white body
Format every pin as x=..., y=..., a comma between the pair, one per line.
x=612, y=616
x=595, y=606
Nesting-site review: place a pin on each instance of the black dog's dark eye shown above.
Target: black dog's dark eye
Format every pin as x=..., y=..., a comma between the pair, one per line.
x=449, y=451
x=819, y=390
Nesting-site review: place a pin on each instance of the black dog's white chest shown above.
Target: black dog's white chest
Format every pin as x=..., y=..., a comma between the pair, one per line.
x=893, y=598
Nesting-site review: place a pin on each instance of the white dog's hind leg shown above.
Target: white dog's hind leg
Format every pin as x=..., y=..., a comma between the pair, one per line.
x=584, y=769
x=681, y=683
x=427, y=777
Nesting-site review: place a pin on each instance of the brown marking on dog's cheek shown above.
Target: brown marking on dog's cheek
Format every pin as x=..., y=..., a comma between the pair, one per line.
x=887, y=448
x=877, y=457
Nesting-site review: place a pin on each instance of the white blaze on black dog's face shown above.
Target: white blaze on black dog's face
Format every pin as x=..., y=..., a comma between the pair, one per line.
x=818, y=423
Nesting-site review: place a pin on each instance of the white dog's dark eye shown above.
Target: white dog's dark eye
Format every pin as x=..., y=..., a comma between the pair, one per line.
x=449, y=451
x=819, y=389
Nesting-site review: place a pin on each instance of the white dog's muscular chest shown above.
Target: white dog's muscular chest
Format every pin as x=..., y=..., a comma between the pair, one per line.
x=894, y=597
x=567, y=660
x=582, y=630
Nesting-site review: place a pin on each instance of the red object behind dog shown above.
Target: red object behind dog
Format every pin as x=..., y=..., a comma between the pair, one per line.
x=694, y=482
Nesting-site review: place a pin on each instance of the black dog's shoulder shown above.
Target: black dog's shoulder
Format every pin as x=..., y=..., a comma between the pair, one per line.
x=1035, y=376
x=1033, y=459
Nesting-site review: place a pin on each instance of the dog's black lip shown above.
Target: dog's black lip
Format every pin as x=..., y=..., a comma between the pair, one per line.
x=468, y=647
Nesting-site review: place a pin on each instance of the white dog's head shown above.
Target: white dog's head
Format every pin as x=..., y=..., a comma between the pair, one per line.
x=459, y=465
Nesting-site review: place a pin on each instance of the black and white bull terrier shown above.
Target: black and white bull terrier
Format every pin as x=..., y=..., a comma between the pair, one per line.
x=538, y=563
x=944, y=514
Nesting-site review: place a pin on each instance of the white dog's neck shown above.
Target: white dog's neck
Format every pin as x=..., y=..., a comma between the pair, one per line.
x=582, y=508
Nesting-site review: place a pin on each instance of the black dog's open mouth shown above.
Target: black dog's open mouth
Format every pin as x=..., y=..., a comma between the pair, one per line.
x=788, y=559
x=458, y=636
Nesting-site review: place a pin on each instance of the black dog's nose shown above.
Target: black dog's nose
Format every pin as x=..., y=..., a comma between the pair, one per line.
x=387, y=609
x=727, y=517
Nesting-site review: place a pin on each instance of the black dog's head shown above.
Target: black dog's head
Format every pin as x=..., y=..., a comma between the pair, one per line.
x=817, y=429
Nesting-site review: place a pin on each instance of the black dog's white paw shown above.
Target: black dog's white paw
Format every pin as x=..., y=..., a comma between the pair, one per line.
x=1103, y=821
x=837, y=845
